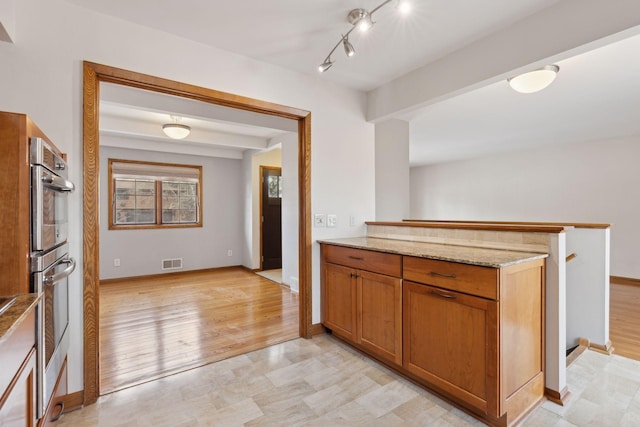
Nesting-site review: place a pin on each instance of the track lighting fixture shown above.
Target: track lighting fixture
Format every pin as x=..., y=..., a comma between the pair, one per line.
x=362, y=20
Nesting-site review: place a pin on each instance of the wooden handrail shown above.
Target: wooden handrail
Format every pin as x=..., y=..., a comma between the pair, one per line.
x=474, y=226
x=570, y=257
x=550, y=224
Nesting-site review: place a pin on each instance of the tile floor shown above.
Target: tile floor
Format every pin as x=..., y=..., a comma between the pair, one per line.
x=323, y=382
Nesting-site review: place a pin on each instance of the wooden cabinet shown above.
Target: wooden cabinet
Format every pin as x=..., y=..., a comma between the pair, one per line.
x=15, y=193
x=477, y=333
x=18, y=375
x=472, y=333
x=360, y=302
x=450, y=340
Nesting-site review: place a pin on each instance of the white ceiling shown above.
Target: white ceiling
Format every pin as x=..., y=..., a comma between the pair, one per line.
x=595, y=95
x=298, y=35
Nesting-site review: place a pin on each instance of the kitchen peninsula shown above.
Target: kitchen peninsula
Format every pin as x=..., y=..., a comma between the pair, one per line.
x=417, y=294
x=466, y=322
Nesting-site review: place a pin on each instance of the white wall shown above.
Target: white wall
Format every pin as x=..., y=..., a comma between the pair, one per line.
x=392, y=170
x=141, y=251
x=41, y=75
x=290, y=210
x=586, y=182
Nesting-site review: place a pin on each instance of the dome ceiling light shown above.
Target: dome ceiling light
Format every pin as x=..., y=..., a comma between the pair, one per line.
x=176, y=130
x=534, y=81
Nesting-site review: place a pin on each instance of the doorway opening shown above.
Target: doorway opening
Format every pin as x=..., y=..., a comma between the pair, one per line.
x=94, y=74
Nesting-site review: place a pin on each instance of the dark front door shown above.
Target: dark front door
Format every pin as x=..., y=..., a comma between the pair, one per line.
x=271, y=207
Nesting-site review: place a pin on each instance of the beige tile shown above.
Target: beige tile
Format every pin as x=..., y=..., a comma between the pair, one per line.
x=386, y=398
x=322, y=382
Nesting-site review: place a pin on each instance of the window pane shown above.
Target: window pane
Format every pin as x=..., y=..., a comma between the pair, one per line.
x=170, y=202
x=187, y=189
x=188, y=216
x=125, y=202
x=145, y=202
x=273, y=184
x=145, y=187
x=145, y=216
x=125, y=187
x=170, y=216
x=171, y=189
x=188, y=202
x=125, y=216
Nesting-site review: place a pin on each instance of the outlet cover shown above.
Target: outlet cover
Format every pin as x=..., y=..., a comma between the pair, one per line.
x=332, y=220
x=320, y=220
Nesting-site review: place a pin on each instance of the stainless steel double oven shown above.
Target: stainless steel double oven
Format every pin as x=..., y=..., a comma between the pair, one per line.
x=50, y=263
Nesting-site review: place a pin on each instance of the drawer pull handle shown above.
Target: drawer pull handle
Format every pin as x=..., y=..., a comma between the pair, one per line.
x=448, y=276
x=438, y=294
x=357, y=258
x=57, y=417
x=354, y=276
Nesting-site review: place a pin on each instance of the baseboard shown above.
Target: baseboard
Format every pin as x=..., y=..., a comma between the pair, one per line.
x=73, y=401
x=170, y=274
x=316, y=329
x=558, y=397
x=618, y=280
x=575, y=353
x=606, y=348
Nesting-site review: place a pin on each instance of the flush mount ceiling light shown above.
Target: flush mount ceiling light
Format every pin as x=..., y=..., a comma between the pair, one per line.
x=176, y=130
x=362, y=20
x=534, y=81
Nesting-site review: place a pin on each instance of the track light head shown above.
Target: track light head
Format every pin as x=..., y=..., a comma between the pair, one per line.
x=348, y=47
x=325, y=65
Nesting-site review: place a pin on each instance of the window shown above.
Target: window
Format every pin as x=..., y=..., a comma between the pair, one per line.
x=154, y=195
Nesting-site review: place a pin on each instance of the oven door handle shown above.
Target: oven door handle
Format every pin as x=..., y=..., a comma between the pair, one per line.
x=63, y=274
x=57, y=183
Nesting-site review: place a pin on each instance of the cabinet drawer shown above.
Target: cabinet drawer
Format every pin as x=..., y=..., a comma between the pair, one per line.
x=470, y=279
x=376, y=262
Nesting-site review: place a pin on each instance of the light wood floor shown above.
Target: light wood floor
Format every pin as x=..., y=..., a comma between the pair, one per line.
x=153, y=328
x=624, y=320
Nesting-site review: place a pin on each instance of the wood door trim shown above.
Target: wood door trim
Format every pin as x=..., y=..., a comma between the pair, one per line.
x=93, y=75
x=262, y=168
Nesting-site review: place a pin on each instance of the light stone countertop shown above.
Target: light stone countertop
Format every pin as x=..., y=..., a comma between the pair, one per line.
x=484, y=257
x=11, y=318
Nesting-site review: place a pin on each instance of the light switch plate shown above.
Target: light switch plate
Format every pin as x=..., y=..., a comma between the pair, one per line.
x=332, y=220
x=320, y=220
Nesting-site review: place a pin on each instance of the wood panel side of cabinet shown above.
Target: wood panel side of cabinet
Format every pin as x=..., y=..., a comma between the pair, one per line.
x=15, y=207
x=379, y=315
x=522, y=335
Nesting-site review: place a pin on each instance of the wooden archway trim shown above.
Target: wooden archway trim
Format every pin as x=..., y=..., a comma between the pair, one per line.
x=94, y=74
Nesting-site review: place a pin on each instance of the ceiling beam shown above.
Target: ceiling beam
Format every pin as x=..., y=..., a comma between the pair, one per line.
x=168, y=147
x=132, y=129
x=560, y=31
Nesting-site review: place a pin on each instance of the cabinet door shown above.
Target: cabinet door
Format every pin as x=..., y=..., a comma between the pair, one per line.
x=339, y=300
x=19, y=408
x=450, y=340
x=379, y=318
